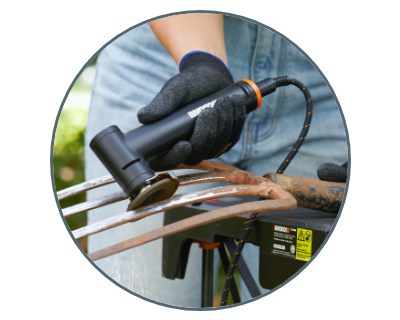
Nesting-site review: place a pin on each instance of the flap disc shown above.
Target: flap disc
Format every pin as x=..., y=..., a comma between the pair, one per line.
x=160, y=190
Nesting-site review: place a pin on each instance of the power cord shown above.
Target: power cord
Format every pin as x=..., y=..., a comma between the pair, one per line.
x=279, y=82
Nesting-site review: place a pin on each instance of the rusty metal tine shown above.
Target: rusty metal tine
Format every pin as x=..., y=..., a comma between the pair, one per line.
x=309, y=193
x=284, y=190
x=85, y=186
x=120, y=196
x=96, y=203
x=198, y=220
x=171, y=203
x=108, y=179
x=207, y=177
x=92, y=184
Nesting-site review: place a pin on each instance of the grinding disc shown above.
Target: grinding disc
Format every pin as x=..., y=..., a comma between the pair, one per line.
x=159, y=191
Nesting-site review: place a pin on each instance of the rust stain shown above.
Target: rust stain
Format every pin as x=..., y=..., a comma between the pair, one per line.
x=248, y=184
x=309, y=193
x=284, y=193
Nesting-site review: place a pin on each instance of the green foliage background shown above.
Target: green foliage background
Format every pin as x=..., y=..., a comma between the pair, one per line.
x=68, y=159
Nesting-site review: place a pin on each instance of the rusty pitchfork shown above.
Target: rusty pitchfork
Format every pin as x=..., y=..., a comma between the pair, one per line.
x=280, y=192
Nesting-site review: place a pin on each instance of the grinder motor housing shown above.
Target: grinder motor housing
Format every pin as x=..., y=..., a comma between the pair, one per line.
x=125, y=155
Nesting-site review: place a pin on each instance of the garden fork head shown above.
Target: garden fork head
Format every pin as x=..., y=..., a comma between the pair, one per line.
x=270, y=187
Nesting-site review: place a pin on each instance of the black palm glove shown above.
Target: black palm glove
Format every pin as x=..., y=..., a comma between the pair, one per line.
x=332, y=172
x=216, y=128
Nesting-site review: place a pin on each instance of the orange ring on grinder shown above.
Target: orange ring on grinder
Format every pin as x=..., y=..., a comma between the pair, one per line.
x=257, y=90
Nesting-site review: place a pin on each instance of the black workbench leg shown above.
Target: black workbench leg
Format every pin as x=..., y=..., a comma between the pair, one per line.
x=207, y=278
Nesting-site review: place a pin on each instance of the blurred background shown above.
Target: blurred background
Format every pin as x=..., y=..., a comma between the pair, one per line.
x=68, y=159
x=68, y=156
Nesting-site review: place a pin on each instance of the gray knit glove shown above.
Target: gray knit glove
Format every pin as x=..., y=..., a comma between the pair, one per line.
x=216, y=128
x=332, y=172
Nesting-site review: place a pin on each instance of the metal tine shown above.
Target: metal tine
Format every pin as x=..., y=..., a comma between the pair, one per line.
x=177, y=201
x=96, y=203
x=89, y=185
x=120, y=195
x=284, y=201
x=85, y=186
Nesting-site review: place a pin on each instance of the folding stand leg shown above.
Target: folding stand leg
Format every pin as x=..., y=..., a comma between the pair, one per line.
x=207, y=291
x=207, y=278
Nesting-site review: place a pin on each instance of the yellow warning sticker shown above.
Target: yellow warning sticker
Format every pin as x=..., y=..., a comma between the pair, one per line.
x=304, y=244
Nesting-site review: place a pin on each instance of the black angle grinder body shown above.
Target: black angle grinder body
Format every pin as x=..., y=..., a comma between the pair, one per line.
x=126, y=155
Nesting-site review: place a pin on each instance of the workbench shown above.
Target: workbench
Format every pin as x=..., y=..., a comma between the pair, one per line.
x=287, y=240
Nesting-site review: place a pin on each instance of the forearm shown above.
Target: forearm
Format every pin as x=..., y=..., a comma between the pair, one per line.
x=181, y=34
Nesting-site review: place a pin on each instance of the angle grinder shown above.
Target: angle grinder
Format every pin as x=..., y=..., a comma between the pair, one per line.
x=125, y=155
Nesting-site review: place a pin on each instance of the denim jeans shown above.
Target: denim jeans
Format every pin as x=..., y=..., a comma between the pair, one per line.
x=132, y=70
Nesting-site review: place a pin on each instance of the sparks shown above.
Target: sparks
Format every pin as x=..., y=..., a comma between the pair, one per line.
x=160, y=271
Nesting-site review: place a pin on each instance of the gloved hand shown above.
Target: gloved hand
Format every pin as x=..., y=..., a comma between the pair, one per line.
x=216, y=128
x=332, y=172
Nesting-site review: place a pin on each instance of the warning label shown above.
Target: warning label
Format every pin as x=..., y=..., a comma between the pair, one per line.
x=284, y=241
x=304, y=244
x=295, y=243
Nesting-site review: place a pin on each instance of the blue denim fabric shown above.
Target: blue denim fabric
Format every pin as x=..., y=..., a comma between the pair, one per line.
x=132, y=70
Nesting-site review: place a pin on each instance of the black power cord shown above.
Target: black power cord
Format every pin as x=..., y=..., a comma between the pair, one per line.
x=280, y=82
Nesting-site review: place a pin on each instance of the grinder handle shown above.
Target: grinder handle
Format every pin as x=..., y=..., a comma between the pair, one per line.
x=155, y=138
x=126, y=156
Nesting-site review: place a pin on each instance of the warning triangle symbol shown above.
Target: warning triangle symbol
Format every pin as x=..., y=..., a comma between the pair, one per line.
x=301, y=236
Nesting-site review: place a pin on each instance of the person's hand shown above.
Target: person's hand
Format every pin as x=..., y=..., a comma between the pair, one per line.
x=332, y=172
x=216, y=130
